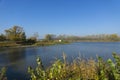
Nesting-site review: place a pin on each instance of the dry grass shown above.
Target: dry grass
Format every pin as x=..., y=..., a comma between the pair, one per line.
x=79, y=69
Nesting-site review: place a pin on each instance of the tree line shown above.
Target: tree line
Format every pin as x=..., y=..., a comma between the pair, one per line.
x=18, y=35
x=99, y=37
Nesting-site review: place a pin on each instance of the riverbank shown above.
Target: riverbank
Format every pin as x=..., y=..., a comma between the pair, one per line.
x=43, y=43
x=93, y=41
x=39, y=43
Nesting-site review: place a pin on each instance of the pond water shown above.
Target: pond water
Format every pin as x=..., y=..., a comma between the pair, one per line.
x=16, y=60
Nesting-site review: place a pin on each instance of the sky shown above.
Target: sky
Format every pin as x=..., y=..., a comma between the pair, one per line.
x=70, y=17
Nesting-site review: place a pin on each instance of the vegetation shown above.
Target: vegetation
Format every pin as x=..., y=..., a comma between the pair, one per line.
x=16, y=36
x=49, y=37
x=2, y=74
x=100, y=37
x=2, y=37
x=15, y=33
x=79, y=69
x=47, y=43
x=8, y=44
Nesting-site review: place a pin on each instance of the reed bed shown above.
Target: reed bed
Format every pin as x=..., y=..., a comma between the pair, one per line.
x=79, y=69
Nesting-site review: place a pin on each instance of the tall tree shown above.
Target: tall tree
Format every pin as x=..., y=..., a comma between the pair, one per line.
x=36, y=36
x=23, y=36
x=49, y=37
x=16, y=33
x=114, y=37
x=2, y=37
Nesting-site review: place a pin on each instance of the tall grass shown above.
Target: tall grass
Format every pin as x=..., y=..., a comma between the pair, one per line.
x=2, y=74
x=79, y=69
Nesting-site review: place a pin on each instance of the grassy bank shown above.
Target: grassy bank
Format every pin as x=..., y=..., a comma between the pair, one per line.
x=13, y=45
x=47, y=43
x=6, y=44
x=9, y=44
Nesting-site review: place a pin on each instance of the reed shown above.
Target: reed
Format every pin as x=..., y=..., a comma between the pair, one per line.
x=79, y=69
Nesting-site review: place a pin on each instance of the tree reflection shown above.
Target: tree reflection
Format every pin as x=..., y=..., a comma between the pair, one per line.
x=16, y=54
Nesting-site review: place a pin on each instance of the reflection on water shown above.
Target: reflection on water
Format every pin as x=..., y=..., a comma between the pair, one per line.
x=15, y=55
x=18, y=59
x=11, y=56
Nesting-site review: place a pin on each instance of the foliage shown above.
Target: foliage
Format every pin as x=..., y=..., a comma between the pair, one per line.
x=79, y=69
x=2, y=74
x=2, y=37
x=114, y=37
x=38, y=73
x=30, y=41
x=16, y=33
x=33, y=38
x=49, y=37
x=99, y=37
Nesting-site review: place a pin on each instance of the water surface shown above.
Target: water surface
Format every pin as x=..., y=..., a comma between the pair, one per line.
x=18, y=59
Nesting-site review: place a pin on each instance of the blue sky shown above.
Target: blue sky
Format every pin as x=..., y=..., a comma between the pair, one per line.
x=71, y=17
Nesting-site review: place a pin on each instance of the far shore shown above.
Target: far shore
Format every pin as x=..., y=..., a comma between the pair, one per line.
x=48, y=44
x=95, y=41
x=32, y=45
x=25, y=46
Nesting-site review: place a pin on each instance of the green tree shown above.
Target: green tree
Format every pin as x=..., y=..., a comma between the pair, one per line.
x=23, y=36
x=35, y=36
x=2, y=37
x=114, y=37
x=49, y=37
x=16, y=33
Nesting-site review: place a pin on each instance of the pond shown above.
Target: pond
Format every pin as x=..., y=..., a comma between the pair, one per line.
x=17, y=60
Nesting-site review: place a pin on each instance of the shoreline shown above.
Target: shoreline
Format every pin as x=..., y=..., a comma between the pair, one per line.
x=34, y=45
x=45, y=44
x=95, y=41
x=4, y=47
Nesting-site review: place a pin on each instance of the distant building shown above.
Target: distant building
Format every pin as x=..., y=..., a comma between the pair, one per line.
x=60, y=40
